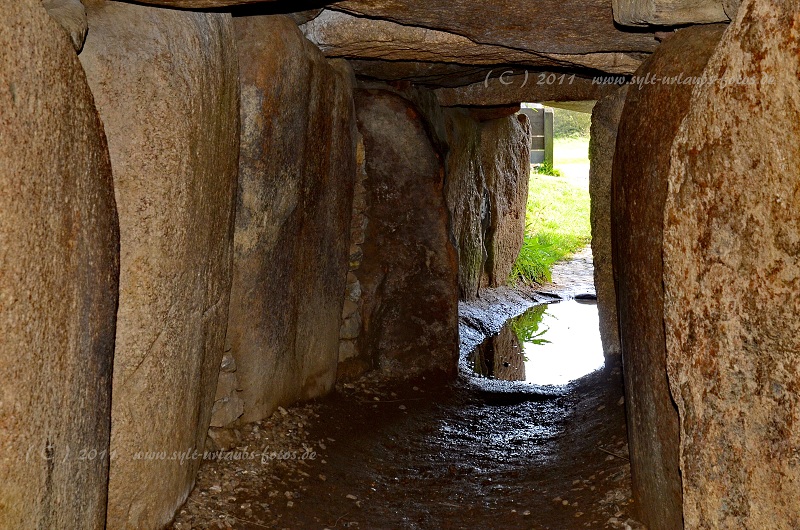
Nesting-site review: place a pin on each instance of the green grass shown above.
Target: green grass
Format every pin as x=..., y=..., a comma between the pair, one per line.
x=547, y=169
x=526, y=326
x=557, y=220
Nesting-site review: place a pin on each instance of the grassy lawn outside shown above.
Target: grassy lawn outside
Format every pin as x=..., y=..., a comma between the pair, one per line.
x=557, y=216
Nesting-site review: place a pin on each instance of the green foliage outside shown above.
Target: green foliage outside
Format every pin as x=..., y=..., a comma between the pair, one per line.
x=557, y=216
x=547, y=168
x=570, y=124
x=557, y=225
x=526, y=326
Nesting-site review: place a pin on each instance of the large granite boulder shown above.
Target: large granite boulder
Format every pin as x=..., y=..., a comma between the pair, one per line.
x=296, y=179
x=467, y=199
x=486, y=191
x=58, y=287
x=166, y=87
x=732, y=278
x=409, y=272
x=505, y=155
x=650, y=121
x=602, y=146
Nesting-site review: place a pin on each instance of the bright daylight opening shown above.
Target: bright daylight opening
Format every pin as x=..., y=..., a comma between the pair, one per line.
x=553, y=343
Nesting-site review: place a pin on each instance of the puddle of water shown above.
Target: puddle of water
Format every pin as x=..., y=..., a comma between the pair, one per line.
x=550, y=344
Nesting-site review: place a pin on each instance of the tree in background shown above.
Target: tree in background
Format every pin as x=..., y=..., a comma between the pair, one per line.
x=571, y=124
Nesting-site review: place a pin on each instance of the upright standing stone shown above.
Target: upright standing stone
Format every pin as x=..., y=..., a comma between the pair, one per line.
x=166, y=86
x=642, y=163
x=602, y=145
x=467, y=199
x=409, y=275
x=732, y=277
x=505, y=155
x=59, y=269
x=293, y=215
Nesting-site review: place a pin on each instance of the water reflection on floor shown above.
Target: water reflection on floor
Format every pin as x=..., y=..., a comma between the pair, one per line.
x=550, y=344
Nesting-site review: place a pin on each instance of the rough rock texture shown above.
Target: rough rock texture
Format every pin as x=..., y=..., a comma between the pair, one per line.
x=668, y=12
x=732, y=277
x=70, y=15
x=58, y=286
x=354, y=363
x=165, y=83
x=409, y=272
x=343, y=35
x=228, y=404
x=650, y=120
x=518, y=86
x=467, y=199
x=605, y=120
x=505, y=154
x=561, y=26
x=296, y=178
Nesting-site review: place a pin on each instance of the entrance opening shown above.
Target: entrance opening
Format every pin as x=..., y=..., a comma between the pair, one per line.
x=556, y=343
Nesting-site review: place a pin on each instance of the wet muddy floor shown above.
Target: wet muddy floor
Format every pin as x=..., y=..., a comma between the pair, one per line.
x=429, y=456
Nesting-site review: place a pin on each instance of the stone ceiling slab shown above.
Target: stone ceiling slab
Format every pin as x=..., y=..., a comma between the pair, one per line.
x=668, y=12
x=545, y=26
x=340, y=34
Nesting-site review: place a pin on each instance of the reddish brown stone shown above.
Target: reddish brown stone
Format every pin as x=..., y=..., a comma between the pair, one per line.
x=59, y=273
x=650, y=121
x=732, y=277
